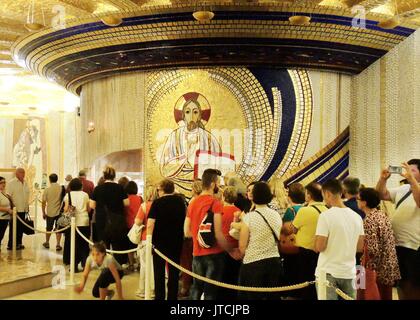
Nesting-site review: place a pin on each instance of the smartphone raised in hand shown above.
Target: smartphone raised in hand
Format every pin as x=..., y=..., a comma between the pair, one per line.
x=395, y=169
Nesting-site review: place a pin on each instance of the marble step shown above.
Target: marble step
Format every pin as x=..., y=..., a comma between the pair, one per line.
x=15, y=287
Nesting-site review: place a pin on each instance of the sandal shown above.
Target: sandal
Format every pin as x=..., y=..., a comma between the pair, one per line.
x=58, y=248
x=46, y=245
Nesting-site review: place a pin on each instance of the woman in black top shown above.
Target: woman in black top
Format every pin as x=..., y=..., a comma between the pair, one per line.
x=166, y=225
x=109, y=200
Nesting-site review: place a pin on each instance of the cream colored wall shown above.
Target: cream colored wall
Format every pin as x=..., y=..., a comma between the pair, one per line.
x=331, y=109
x=61, y=144
x=6, y=142
x=116, y=106
x=385, y=122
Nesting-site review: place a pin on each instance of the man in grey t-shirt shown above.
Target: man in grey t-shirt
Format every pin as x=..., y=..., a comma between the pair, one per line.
x=51, y=208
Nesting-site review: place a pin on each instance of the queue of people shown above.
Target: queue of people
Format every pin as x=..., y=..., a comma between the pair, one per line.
x=239, y=235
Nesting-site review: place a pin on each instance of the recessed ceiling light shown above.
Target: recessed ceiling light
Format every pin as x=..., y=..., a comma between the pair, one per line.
x=300, y=20
x=203, y=15
x=112, y=21
x=33, y=27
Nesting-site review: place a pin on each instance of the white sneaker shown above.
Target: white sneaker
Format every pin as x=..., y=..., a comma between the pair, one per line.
x=110, y=294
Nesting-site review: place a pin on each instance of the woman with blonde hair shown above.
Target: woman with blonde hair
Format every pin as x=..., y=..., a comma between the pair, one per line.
x=279, y=202
x=141, y=219
x=241, y=202
x=197, y=188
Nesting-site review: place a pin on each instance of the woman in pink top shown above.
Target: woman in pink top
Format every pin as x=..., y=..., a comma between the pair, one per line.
x=130, y=214
x=141, y=219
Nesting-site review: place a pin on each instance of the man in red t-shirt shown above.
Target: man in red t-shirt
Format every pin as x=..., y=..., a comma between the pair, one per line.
x=208, y=262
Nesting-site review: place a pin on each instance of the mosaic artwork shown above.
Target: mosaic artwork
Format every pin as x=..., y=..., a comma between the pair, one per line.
x=330, y=162
x=253, y=121
x=23, y=144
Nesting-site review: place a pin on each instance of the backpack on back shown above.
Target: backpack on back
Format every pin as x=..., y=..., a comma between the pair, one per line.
x=206, y=236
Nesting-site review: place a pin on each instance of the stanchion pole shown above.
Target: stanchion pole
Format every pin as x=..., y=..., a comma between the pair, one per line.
x=147, y=295
x=140, y=265
x=322, y=286
x=72, y=249
x=36, y=212
x=14, y=231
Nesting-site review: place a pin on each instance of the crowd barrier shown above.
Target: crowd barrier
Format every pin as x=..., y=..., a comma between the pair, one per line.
x=322, y=282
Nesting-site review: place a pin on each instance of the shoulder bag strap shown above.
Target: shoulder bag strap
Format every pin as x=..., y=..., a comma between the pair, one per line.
x=316, y=208
x=8, y=197
x=294, y=211
x=274, y=233
x=70, y=204
x=63, y=193
x=403, y=198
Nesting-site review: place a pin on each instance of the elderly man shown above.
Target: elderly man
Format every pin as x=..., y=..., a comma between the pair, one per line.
x=18, y=190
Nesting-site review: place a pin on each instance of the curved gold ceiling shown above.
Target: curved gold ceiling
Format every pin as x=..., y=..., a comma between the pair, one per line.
x=15, y=13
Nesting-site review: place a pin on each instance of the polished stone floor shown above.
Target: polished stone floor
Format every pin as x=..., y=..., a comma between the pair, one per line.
x=31, y=261
x=129, y=284
x=35, y=260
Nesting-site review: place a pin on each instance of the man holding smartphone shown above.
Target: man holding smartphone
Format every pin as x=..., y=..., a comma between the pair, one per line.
x=406, y=226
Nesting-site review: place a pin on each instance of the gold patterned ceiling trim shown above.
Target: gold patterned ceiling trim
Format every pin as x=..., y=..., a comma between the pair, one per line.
x=42, y=56
x=145, y=11
x=182, y=7
x=125, y=5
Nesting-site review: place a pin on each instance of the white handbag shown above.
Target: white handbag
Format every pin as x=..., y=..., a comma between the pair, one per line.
x=234, y=233
x=135, y=233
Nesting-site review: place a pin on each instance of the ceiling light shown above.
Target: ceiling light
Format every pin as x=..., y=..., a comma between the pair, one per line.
x=300, y=20
x=33, y=27
x=389, y=24
x=203, y=16
x=111, y=21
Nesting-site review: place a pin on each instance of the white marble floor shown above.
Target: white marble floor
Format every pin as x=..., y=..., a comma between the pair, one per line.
x=129, y=284
x=35, y=260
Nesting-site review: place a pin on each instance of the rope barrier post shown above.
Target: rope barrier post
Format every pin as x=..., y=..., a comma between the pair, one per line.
x=14, y=231
x=72, y=249
x=36, y=211
x=148, y=266
x=322, y=286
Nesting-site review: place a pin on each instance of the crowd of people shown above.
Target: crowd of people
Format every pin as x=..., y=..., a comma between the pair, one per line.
x=238, y=234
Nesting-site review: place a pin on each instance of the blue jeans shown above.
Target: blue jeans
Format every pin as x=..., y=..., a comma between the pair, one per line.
x=345, y=285
x=211, y=267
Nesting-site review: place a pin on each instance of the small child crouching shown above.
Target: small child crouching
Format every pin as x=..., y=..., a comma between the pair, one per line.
x=111, y=272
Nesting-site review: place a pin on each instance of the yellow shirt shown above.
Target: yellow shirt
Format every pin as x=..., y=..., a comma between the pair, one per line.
x=306, y=221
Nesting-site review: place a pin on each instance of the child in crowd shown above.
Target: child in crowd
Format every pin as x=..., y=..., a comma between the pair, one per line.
x=111, y=272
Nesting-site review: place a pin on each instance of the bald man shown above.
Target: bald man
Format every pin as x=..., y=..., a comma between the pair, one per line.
x=18, y=190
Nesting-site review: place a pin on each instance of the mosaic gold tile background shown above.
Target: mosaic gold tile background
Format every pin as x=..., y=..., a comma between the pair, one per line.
x=385, y=119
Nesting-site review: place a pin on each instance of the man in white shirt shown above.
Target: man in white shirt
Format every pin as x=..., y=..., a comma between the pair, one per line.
x=406, y=226
x=339, y=235
x=19, y=193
